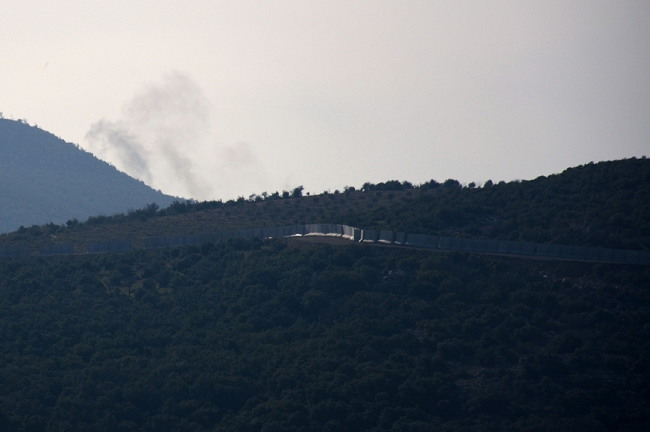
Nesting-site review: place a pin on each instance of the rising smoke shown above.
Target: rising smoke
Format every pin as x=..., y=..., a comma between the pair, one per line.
x=112, y=141
x=163, y=139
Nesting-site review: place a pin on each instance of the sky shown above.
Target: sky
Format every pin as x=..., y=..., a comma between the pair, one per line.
x=220, y=99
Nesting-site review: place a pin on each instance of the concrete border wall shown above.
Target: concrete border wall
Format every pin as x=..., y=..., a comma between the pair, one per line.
x=620, y=255
x=254, y=233
x=475, y=245
x=269, y=232
x=153, y=243
x=15, y=251
x=486, y=246
x=545, y=250
x=491, y=246
x=313, y=229
x=579, y=252
x=299, y=230
x=415, y=240
x=644, y=257
x=528, y=248
x=175, y=241
x=335, y=230
x=606, y=254
x=109, y=246
x=163, y=242
x=369, y=235
x=400, y=237
x=514, y=247
x=592, y=253
x=284, y=231
x=386, y=236
x=566, y=251
x=505, y=247
x=431, y=242
x=455, y=244
x=57, y=249
x=243, y=234
x=351, y=233
x=632, y=257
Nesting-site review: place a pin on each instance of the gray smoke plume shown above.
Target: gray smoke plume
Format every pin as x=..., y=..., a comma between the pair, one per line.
x=113, y=141
x=162, y=130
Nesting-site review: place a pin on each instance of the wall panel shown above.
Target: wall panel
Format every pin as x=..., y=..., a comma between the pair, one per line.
x=57, y=249
x=14, y=251
x=369, y=235
x=386, y=236
x=415, y=240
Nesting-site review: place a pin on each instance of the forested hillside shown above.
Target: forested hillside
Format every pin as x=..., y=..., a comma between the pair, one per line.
x=289, y=335
x=605, y=205
x=45, y=179
x=282, y=335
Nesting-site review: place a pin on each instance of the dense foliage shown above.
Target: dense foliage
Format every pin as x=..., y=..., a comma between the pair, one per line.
x=289, y=335
x=284, y=335
x=605, y=204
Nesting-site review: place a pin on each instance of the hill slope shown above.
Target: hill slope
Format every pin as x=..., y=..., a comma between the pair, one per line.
x=605, y=204
x=45, y=179
x=598, y=204
x=280, y=335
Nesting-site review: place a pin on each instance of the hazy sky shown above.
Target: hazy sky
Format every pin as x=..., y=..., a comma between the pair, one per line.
x=215, y=99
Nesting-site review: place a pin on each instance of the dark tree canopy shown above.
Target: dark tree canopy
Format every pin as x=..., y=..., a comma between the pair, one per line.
x=280, y=335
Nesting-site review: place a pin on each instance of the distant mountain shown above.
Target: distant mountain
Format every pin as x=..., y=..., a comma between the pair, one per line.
x=45, y=179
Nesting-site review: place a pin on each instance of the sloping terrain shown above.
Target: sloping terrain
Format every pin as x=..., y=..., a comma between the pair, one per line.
x=603, y=204
x=600, y=205
x=282, y=335
x=279, y=335
x=45, y=179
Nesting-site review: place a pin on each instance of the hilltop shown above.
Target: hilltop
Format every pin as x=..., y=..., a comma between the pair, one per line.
x=44, y=179
x=606, y=204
